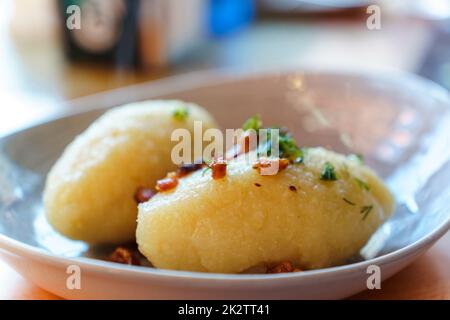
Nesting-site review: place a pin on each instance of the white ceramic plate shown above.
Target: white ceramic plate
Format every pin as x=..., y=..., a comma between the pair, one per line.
x=400, y=123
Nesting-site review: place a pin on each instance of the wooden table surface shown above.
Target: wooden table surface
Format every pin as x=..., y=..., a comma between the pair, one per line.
x=42, y=78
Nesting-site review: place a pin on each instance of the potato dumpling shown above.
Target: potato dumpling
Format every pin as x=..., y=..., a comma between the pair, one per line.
x=244, y=219
x=89, y=191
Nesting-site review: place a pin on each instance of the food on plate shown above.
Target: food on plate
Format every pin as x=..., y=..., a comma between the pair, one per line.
x=125, y=255
x=230, y=214
x=317, y=211
x=92, y=191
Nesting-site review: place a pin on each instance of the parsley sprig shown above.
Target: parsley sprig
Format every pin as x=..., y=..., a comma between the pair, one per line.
x=180, y=113
x=254, y=123
x=287, y=145
x=328, y=172
x=289, y=148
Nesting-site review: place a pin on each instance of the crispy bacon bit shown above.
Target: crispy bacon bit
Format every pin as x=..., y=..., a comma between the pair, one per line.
x=283, y=163
x=124, y=256
x=270, y=163
x=283, y=267
x=292, y=188
x=185, y=169
x=246, y=139
x=219, y=168
x=245, y=142
x=143, y=194
x=168, y=183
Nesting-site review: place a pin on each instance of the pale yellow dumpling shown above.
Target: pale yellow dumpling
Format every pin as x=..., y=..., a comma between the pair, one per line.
x=245, y=219
x=89, y=191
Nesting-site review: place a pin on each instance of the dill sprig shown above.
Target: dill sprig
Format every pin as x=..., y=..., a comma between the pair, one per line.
x=362, y=184
x=366, y=210
x=349, y=202
x=254, y=123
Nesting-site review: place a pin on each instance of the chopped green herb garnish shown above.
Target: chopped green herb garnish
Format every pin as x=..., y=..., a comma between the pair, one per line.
x=181, y=113
x=328, y=172
x=206, y=170
x=366, y=210
x=358, y=158
x=254, y=123
x=208, y=166
x=289, y=149
x=362, y=184
x=287, y=146
x=348, y=201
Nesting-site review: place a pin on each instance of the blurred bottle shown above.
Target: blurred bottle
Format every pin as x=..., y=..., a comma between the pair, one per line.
x=107, y=32
x=173, y=29
x=170, y=30
x=227, y=16
x=148, y=33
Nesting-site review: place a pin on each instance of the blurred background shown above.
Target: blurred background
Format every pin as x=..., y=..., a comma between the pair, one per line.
x=55, y=51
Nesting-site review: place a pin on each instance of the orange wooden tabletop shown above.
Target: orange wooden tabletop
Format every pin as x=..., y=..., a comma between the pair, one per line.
x=426, y=278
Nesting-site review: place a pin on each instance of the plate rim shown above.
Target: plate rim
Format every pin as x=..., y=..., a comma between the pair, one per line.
x=194, y=80
x=21, y=249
